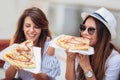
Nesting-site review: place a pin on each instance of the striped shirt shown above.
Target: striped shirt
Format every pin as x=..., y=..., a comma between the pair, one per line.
x=50, y=66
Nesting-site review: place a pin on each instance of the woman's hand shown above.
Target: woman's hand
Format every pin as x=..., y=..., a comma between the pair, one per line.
x=50, y=51
x=17, y=67
x=40, y=76
x=84, y=62
x=71, y=56
x=70, y=66
x=11, y=72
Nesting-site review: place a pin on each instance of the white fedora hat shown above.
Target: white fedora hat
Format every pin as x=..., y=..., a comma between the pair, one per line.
x=106, y=17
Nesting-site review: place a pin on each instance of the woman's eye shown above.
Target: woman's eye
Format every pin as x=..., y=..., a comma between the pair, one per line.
x=37, y=27
x=27, y=26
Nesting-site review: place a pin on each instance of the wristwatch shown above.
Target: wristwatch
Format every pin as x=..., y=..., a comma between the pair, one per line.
x=89, y=74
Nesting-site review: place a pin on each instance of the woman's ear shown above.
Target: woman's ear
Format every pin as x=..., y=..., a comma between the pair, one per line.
x=50, y=51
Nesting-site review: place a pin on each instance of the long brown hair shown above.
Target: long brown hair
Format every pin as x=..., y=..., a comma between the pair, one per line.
x=39, y=18
x=102, y=50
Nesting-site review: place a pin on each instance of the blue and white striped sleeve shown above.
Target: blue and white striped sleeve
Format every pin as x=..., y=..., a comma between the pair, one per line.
x=50, y=64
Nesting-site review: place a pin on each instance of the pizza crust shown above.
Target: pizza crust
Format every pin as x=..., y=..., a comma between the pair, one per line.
x=72, y=42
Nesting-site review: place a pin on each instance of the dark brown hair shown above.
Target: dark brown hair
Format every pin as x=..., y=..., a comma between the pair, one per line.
x=102, y=50
x=39, y=18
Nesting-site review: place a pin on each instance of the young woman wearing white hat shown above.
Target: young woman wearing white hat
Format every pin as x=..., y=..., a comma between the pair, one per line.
x=99, y=27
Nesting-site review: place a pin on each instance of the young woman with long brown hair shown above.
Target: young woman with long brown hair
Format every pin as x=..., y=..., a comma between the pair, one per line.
x=33, y=25
x=99, y=27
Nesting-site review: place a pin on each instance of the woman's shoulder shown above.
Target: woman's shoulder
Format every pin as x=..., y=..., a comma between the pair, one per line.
x=115, y=54
x=114, y=58
x=47, y=41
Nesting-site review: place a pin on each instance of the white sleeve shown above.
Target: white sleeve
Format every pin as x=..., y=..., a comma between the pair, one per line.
x=113, y=68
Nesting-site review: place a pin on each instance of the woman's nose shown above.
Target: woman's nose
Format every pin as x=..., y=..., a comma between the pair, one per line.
x=31, y=29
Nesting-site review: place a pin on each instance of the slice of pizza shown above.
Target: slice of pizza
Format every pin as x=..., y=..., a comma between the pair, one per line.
x=72, y=42
x=22, y=55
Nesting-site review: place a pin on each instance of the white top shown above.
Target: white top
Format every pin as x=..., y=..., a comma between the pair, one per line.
x=50, y=66
x=112, y=66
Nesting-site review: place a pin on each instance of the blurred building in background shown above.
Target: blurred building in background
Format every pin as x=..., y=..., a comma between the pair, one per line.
x=64, y=15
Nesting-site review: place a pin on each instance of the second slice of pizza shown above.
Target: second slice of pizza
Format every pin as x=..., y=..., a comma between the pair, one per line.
x=72, y=42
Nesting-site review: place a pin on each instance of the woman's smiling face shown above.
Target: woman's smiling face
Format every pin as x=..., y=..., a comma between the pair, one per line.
x=31, y=31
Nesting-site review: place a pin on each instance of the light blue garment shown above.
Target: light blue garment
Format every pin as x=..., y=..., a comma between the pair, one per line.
x=50, y=66
x=112, y=66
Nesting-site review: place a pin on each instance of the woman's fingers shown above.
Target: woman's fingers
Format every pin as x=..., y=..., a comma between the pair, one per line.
x=17, y=67
x=70, y=55
x=80, y=55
